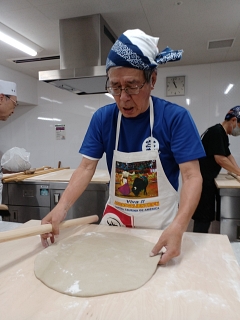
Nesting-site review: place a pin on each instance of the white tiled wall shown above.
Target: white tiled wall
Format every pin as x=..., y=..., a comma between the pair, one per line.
x=205, y=86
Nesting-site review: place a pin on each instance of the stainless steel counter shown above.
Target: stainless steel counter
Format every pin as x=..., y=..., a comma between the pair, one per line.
x=229, y=192
x=34, y=197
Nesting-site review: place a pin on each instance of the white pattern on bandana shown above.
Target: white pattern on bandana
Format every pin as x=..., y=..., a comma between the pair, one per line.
x=125, y=52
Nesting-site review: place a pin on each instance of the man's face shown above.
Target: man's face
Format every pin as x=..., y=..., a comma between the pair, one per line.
x=131, y=105
x=7, y=106
x=236, y=128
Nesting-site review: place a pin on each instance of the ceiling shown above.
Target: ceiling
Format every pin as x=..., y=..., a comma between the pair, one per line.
x=187, y=25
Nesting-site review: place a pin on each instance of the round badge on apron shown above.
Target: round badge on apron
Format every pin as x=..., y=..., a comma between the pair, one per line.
x=140, y=194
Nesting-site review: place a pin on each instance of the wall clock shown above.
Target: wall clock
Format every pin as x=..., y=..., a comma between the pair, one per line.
x=175, y=86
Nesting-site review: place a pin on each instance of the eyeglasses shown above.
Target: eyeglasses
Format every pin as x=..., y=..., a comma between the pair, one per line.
x=116, y=91
x=15, y=102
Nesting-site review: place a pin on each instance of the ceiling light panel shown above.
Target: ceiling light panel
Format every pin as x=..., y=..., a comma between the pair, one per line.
x=18, y=41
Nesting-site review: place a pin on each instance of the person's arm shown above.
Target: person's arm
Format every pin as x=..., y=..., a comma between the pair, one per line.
x=77, y=184
x=232, y=159
x=171, y=237
x=228, y=163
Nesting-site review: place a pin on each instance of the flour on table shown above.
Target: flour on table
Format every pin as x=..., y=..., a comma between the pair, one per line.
x=93, y=264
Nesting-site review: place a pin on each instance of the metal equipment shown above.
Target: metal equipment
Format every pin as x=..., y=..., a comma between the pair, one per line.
x=34, y=199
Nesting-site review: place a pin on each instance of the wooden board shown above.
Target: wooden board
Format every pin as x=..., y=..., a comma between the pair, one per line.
x=100, y=176
x=202, y=283
x=226, y=181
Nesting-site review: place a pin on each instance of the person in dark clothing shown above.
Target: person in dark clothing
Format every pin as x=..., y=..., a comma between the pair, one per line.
x=216, y=144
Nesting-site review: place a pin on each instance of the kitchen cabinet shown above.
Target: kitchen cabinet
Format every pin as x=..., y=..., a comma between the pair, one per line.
x=202, y=283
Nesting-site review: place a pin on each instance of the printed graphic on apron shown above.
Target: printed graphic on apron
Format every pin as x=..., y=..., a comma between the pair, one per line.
x=136, y=179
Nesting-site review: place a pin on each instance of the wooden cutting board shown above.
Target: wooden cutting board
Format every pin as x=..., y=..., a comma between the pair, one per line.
x=202, y=283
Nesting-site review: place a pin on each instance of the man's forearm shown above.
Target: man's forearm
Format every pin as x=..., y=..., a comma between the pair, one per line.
x=189, y=195
x=228, y=163
x=189, y=198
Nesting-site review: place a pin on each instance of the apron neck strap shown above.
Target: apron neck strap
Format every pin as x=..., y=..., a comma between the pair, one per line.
x=151, y=124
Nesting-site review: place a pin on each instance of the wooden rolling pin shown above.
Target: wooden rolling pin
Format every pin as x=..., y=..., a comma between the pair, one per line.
x=26, y=176
x=43, y=228
x=23, y=173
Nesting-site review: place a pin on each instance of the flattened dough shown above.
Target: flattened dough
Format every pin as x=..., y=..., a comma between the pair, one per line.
x=94, y=264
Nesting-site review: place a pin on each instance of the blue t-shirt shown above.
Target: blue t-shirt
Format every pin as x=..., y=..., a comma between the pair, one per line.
x=174, y=129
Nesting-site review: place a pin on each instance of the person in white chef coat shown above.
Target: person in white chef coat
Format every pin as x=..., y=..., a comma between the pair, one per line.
x=150, y=138
x=8, y=99
x=8, y=103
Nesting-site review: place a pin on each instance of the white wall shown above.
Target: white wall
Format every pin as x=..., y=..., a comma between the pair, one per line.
x=26, y=85
x=205, y=86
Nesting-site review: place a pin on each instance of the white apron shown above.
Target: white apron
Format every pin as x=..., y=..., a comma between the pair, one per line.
x=1, y=185
x=140, y=194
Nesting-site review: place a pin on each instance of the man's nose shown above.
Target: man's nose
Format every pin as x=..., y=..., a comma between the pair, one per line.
x=124, y=95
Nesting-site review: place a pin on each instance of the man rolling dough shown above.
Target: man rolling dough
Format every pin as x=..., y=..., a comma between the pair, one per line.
x=146, y=135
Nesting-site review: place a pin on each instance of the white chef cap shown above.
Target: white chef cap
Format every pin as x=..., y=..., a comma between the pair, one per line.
x=8, y=88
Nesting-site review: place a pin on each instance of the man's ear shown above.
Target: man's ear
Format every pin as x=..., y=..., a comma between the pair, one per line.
x=153, y=79
x=234, y=119
x=1, y=97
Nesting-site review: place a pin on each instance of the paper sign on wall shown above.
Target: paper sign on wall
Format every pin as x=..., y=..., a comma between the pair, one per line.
x=60, y=132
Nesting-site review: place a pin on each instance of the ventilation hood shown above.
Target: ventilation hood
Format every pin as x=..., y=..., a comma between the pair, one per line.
x=84, y=45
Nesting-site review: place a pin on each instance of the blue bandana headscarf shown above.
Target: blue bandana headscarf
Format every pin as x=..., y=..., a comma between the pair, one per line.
x=136, y=49
x=234, y=112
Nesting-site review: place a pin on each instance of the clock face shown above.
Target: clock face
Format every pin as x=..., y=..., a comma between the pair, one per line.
x=175, y=86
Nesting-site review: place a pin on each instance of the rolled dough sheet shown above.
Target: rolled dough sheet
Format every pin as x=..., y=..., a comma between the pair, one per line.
x=95, y=264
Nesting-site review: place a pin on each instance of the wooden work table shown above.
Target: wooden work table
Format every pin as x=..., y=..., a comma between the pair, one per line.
x=100, y=176
x=202, y=283
x=225, y=180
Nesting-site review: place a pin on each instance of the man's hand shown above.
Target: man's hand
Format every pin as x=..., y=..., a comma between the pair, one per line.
x=54, y=217
x=77, y=184
x=171, y=239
